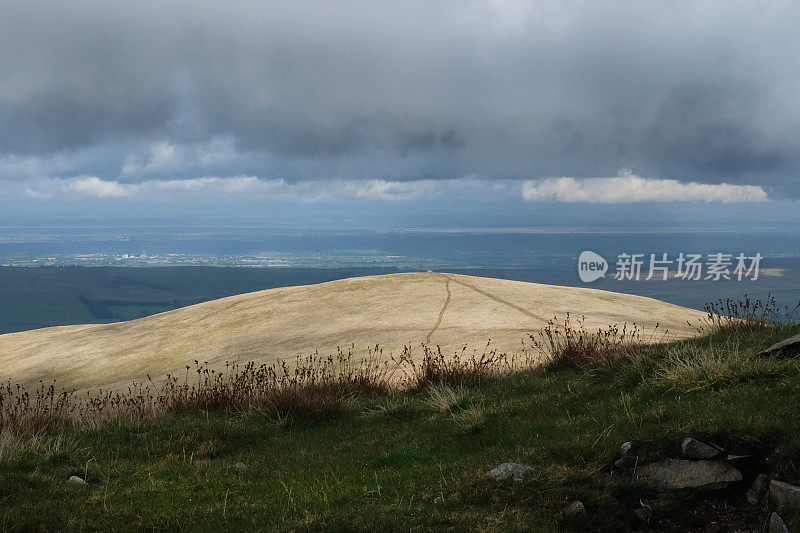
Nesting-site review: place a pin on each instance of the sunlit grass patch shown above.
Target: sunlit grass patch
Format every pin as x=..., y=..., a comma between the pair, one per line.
x=396, y=406
x=691, y=367
x=472, y=418
x=443, y=397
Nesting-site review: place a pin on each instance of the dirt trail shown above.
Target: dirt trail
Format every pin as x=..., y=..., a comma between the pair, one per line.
x=496, y=299
x=441, y=311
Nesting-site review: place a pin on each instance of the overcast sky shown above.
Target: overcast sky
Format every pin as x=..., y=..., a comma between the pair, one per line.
x=562, y=101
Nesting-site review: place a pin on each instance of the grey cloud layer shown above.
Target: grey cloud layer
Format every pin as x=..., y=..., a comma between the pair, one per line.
x=401, y=90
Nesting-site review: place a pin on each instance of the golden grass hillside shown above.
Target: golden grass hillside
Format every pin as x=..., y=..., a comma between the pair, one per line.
x=393, y=310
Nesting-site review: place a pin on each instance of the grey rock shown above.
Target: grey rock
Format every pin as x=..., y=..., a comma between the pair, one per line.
x=576, y=508
x=694, y=449
x=757, y=489
x=776, y=524
x=785, y=348
x=514, y=471
x=626, y=447
x=674, y=474
x=622, y=462
x=238, y=465
x=439, y=500
x=77, y=480
x=784, y=495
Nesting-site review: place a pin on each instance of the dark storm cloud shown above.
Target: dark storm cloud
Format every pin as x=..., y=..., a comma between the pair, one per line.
x=401, y=90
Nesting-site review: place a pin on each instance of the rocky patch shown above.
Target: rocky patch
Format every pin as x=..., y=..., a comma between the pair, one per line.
x=694, y=449
x=674, y=474
x=513, y=471
x=786, y=348
x=784, y=495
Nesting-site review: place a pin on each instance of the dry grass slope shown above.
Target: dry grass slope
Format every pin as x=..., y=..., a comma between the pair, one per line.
x=395, y=310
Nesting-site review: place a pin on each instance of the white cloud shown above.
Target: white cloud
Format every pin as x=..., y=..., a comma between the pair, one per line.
x=185, y=185
x=234, y=185
x=93, y=186
x=306, y=190
x=626, y=188
x=247, y=184
x=390, y=190
x=629, y=188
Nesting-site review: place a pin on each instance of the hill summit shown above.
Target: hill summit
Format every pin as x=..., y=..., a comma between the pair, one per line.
x=448, y=310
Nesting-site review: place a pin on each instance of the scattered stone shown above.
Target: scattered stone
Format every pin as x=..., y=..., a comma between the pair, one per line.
x=623, y=459
x=757, y=489
x=626, y=447
x=76, y=480
x=576, y=508
x=514, y=471
x=694, y=449
x=238, y=465
x=674, y=474
x=784, y=494
x=643, y=514
x=776, y=524
x=786, y=348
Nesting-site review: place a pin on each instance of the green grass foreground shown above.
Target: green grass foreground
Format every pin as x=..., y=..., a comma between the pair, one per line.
x=417, y=460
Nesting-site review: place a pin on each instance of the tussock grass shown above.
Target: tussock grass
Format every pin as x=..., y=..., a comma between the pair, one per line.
x=443, y=397
x=314, y=386
x=690, y=367
x=571, y=345
x=396, y=406
x=745, y=314
x=460, y=368
x=472, y=418
x=50, y=446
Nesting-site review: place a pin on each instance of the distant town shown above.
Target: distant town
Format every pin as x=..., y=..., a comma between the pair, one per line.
x=277, y=260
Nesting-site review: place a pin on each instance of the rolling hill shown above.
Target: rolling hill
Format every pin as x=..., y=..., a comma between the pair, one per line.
x=390, y=310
